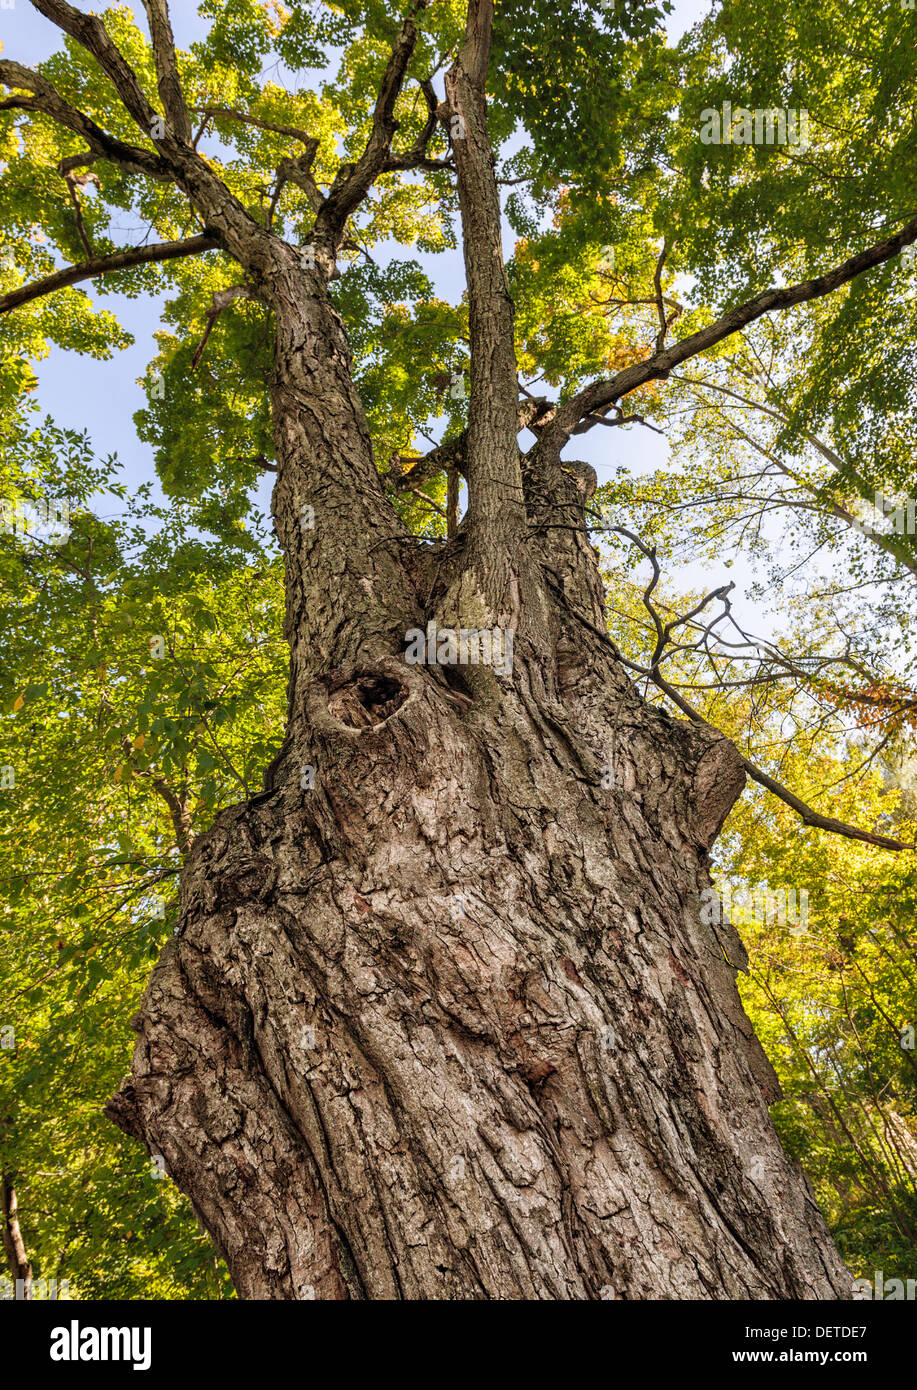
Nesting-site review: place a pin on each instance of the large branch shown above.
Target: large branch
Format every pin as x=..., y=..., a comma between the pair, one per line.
x=91, y=34
x=105, y=265
x=354, y=181
x=224, y=215
x=495, y=501
x=167, y=79
x=600, y=394
x=47, y=100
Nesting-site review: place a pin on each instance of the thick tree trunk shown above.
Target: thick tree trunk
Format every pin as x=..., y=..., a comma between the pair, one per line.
x=449, y=1024
x=443, y=1019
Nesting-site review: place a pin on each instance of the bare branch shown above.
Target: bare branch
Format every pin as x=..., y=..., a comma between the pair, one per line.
x=886, y=541
x=660, y=307
x=105, y=265
x=802, y=809
x=66, y=169
x=453, y=454
x=297, y=169
x=416, y=156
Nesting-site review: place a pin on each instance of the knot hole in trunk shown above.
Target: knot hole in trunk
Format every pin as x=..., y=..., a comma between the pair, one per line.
x=367, y=701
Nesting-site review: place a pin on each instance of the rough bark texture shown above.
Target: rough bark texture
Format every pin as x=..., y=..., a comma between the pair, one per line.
x=448, y=1024
x=378, y=1056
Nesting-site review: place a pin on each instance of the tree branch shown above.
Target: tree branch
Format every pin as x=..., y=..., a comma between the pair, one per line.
x=354, y=181
x=602, y=393
x=298, y=169
x=167, y=79
x=47, y=100
x=91, y=34
x=416, y=156
x=805, y=812
x=105, y=265
x=228, y=113
x=73, y=182
x=886, y=541
x=221, y=300
x=453, y=453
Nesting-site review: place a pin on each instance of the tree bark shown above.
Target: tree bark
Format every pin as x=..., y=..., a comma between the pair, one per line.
x=17, y=1257
x=444, y=1019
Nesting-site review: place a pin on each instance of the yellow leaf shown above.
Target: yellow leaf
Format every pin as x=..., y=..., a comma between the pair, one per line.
x=119, y=772
x=18, y=702
x=139, y=741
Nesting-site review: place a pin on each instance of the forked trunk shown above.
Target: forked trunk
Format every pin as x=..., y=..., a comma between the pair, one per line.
x=448, y=1023
x=442, y=1018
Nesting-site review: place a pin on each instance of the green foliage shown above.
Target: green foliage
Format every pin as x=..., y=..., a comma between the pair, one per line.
x=116, y=753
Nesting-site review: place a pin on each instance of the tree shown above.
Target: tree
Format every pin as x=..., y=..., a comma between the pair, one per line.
x=443, y=1017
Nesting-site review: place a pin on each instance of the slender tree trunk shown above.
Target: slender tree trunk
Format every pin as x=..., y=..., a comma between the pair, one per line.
x=20, y=1266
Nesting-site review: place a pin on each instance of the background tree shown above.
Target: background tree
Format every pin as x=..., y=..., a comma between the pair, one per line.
x=117, y=751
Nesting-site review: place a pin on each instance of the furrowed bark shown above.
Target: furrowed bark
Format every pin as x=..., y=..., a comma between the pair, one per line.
x=488, y=592
x=451, y=1025
x=167, y=79
x=445, y=1019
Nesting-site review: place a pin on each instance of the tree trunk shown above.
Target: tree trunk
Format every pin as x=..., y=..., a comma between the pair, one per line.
x=449, y=1023
x=442, y=1018
x=17, y=1258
